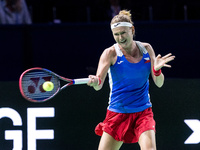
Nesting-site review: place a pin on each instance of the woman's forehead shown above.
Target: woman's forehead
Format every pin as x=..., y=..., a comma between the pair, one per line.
x=120, y=29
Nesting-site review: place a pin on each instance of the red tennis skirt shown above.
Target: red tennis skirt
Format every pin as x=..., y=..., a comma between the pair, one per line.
x=126, y=127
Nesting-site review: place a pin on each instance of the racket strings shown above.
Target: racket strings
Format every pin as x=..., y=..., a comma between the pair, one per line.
x=32, y=85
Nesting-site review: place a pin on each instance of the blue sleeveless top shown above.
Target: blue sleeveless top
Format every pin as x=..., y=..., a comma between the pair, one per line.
x=129, y=83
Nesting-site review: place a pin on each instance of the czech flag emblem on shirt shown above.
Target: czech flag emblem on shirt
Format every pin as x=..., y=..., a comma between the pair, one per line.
x=147, y=60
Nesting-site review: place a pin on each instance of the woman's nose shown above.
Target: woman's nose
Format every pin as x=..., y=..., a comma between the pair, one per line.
x=120, y=37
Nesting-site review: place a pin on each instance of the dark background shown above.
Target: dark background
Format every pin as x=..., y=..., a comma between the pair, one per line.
x=99, y=10
x=72, y=49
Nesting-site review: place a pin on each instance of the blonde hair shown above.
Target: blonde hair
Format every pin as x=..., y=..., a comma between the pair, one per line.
x=123, y=16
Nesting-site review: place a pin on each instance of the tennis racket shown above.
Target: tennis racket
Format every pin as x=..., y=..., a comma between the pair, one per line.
x=31, y=81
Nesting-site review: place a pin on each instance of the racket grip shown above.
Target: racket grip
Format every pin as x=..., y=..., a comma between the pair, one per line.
x=81, y=81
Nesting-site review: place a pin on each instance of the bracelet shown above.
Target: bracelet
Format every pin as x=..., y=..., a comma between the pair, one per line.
x=99, y=81
x=156, y=73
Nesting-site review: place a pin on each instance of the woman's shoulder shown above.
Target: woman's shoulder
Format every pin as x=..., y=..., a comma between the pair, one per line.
x=109, y=54
x=146, y=45
x=149, y=48
x=110, y=51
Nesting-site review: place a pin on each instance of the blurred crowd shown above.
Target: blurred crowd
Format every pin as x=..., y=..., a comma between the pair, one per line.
x=58, y=11
x=14, y=12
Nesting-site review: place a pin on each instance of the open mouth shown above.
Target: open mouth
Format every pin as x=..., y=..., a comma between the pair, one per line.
x=122, y=42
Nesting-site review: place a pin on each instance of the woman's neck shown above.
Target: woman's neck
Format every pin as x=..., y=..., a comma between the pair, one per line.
x=132, y=50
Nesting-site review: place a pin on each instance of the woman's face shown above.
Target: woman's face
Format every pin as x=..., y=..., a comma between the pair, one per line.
x=123, y=36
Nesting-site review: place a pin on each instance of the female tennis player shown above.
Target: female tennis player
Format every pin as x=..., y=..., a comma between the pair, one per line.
x=129, y=117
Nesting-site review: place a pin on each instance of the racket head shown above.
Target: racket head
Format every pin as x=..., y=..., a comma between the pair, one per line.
x=31, y=81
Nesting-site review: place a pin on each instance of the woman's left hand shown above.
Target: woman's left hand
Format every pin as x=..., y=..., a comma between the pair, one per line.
x=162, y=61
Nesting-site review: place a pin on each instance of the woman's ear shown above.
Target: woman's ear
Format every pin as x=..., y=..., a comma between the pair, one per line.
x=133, y=29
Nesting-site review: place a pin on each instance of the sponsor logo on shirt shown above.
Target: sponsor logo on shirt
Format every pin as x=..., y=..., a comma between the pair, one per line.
x=120, y=62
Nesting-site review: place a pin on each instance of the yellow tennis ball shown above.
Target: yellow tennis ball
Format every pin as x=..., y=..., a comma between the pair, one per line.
x=48, y=86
